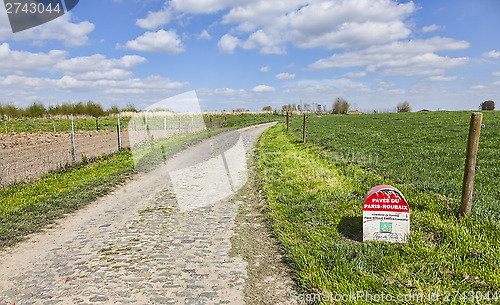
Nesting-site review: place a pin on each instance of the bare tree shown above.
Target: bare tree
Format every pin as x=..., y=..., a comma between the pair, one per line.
x=340, y=106
x=404, y=107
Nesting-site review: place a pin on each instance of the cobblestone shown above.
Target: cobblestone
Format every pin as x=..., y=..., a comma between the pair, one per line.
x=138, y=245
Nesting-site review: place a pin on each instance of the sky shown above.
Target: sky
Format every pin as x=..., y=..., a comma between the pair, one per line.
x=435, y=54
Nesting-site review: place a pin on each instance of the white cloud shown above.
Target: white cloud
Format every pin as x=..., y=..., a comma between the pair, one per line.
x=496, y=83
x=155, y=19
x=157, y=42
x=319, y=23
x=440, y=78
x=204, y=35
x=414, y=57
x=98, y=67
x=478, y=87
x=228, y=43
x=61, y=28
x=222, y=92
x=263, y=88
x=112, y=90
x=355, y=74
x=330, y=86
x=284, y=76
x=492, y=54
x=206, y=6
x=431, y=28
x=22, y=62
x=496, y=73
x=265, y=69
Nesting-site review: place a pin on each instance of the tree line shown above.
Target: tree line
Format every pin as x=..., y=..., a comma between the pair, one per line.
x=339, y=106
x=38, y=110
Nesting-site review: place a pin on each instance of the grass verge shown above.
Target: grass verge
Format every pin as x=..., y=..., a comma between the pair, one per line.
x=315, y=211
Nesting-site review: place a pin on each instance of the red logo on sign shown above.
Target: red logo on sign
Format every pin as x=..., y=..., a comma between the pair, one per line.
x=385, y=198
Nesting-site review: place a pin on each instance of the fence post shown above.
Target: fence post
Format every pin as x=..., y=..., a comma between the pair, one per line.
x=180, y=123
x=470, y=163
x=287, y=121
x=146, y=128
x=119, y=134
x=304, y=129
x=6, y=130
x=210, y=122
x=97, y=124
x=165, y=123
x=54, y=125
x=73, y=138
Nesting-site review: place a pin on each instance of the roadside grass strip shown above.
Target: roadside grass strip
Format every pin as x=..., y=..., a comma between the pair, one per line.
x=315, y=205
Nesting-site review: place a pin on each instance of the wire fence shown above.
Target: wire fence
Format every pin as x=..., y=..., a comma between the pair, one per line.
x=37, y=150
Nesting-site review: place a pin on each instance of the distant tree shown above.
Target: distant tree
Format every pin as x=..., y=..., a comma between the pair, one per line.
x=36, y=110
x=488, y=105
x=12, y=112
x=404, y=107
x=66, y=109
x=340, y=106
x=93, y=109
x=130, y=108
x=114, y=109
x=267, y=108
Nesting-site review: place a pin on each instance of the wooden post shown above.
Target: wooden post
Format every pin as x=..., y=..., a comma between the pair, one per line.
x=470, y=163
x=210, y=122
x=54, y=125
x=304, y=129
x=287, y=121
x=97, y=124
x=6, y=130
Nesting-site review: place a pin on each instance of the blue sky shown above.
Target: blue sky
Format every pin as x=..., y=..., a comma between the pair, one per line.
x=253, y=53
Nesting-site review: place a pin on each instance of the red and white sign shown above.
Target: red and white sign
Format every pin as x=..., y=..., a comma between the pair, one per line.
x=386, y=215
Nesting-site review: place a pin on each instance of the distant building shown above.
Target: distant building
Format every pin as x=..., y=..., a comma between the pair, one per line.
x=424, y=110
x=355, y=112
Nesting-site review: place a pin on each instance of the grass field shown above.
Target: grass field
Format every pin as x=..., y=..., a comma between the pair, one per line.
x=60, y=125
x=424, y=149
x=155, y=122
x=315, y=193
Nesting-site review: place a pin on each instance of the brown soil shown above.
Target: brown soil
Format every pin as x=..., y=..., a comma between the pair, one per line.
x=269, y=278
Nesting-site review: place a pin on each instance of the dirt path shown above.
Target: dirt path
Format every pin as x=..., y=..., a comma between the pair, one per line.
x=162, y=238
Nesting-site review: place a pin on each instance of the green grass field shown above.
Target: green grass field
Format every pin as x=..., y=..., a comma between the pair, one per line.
x=61, y=125
x=425, y=149
x=154, y=122
x=315, y=194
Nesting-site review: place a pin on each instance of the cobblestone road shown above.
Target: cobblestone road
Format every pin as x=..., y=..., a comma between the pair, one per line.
x=162, y=238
